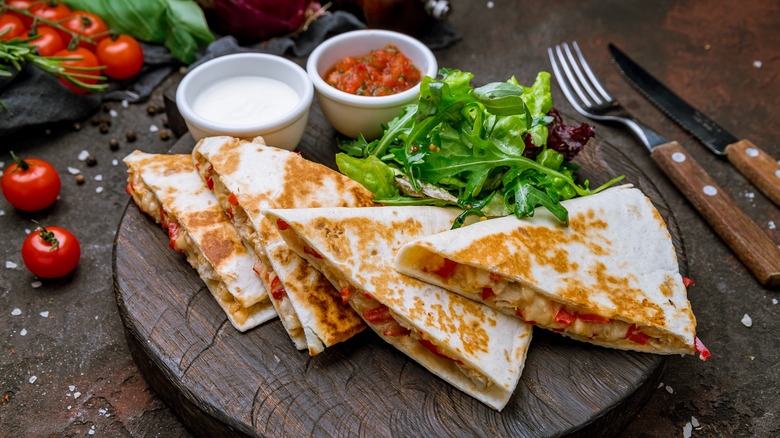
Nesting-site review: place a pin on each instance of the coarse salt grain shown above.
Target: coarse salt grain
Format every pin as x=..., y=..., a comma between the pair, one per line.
x=23, y=332
x=687, y=430
x=125, y=104
x=16, y=312
x=153, y=128
x=750, y=195
x=669, y=389
x=747, y=321
x=71, y=388
x=694, y=422
x=2, y=212
x=757, y=64
x=76, y=395
x=11, y=265
x=774, y=300
x=98, y=177
x=490, y=5
x=2, y=164
x=44, y=314
x=772, y=225
x=69, y=406
x=99, y=190
x=33, y=379
x=114, y=162
x=36, y=284
x=73, y=171
x=113, y=113
x=91, y=431
x=83, y=155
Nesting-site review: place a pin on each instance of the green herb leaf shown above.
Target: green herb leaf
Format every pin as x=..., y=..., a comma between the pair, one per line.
x=469, y=143
x=178, y=24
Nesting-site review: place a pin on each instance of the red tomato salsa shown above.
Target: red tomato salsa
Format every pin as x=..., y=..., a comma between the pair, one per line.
x=380, y=73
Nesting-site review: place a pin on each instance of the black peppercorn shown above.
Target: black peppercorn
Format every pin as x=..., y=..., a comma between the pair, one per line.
x=91, y=161
x=130, y=135
x=79, y=179
x=113, y=144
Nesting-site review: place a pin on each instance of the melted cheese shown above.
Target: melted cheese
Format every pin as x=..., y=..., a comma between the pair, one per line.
x=515, y=298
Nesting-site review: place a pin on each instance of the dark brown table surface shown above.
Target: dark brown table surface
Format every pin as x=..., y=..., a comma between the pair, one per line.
x=65, y=369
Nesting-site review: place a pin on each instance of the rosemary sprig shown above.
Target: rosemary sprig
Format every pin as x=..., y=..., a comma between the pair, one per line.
x=18, y=51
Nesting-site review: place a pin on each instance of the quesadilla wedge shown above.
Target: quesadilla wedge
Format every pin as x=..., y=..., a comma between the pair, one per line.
x=247, y=177
x=167, y=188
x=610, y=278
x=475, y=348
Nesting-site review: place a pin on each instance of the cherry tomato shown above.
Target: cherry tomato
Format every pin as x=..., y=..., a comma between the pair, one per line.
x=30, y=184
x=51, y=11
x=11, y=24
x=87, y=25
x=51, y=252
x=21, y=4
x=122, y=56
x=49, y=42
x=87, y=59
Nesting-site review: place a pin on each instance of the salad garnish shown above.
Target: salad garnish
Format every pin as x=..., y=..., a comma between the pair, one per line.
x=496, y=150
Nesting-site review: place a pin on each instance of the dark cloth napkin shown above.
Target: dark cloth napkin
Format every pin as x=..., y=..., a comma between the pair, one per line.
x=35, y=98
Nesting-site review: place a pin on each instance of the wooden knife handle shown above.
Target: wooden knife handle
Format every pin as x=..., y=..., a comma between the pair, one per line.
x=750, y=244
x=757, y=166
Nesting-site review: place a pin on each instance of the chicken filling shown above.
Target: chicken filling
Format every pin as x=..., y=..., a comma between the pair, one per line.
x=537, y=309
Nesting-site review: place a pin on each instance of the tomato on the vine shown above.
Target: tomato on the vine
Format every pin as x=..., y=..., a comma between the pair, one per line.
x=51, y=252
x=22, y=4
x=88, y=25
x=122, y=56
x=82, y=58
x=30, y=184
x=11, y=24
x=51, y=11
x=49, y=42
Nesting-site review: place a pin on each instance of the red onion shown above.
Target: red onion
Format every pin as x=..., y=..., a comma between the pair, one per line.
x=260, y=19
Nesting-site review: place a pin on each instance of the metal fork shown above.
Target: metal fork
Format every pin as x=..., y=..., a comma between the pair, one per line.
x=594, y=100
x=586, y=94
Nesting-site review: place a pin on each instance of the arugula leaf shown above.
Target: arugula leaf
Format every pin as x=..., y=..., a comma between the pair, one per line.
x=178, y=24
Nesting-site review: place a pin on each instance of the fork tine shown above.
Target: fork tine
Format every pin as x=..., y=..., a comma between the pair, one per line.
x=591, y=75
x=571, y=77
x=583, y=80
x=563, y=84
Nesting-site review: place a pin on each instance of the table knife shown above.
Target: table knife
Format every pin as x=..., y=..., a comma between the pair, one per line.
x=757, y=166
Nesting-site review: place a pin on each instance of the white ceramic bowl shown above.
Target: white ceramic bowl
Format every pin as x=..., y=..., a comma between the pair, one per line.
x=351, y=114
x=285, y=131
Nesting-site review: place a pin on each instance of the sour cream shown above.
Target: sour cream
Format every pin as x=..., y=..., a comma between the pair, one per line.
x=245, y=100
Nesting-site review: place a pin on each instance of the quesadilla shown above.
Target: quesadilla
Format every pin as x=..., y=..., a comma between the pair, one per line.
x=247, y=177
x=610, y=277
x=475, y=348
x=167, y=188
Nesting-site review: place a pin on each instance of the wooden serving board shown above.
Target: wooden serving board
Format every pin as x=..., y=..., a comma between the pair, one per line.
x=221, y=381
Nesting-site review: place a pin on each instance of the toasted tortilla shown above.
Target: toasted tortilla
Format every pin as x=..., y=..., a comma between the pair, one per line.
x=168, y=188
x=613, y=270
x=260, y=177
x=475, y=348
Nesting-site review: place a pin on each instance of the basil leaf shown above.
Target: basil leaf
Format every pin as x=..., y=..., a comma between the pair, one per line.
x=178, y=24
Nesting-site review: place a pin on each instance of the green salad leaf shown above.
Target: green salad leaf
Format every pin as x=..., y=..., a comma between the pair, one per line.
x=468, y=147
x=178, y=24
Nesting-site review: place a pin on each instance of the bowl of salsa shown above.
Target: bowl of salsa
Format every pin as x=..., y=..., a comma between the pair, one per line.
x=362, y=79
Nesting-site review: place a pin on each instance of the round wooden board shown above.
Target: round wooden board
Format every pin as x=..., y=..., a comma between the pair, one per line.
x=221, y=381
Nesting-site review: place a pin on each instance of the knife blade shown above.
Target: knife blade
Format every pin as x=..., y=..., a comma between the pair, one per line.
x=756, y=165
